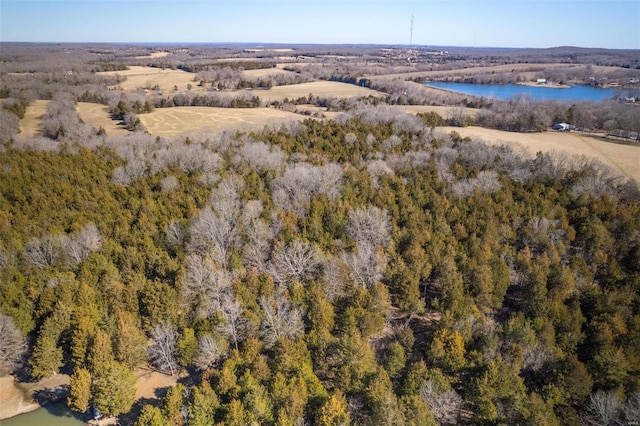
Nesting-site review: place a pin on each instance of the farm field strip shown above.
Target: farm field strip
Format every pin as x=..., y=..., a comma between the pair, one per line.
x=97, y=115
x=179, y=120
x=138, y=77
x=30, y=124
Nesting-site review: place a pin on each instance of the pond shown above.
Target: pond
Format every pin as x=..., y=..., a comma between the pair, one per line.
x=52, y=414
x=507, y=91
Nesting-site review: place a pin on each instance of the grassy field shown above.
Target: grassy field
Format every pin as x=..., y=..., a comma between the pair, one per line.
x=29, y=125
x=154, y=55
x=97, y=115
x=623, y=157
x=317, y=88
x=147, y=77
x=176, y=121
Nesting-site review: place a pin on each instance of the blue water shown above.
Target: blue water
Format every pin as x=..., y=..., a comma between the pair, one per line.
x=52, y=414
x=507, y=91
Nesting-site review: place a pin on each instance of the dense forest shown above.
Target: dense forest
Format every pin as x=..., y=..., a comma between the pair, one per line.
x=366, y=270
x=330, y=273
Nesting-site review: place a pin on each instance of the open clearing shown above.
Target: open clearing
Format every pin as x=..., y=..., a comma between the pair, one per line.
x=622, y=157
x=154, y=55
x=30, y=124
x=179, y=120
x=97, y=115
x=147, y=77
x=325, y=89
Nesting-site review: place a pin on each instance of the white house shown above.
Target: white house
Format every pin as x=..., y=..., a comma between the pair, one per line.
x=561, y=127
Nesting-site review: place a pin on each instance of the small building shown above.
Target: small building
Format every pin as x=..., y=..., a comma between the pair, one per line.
x=541, y=81
x=561, y=127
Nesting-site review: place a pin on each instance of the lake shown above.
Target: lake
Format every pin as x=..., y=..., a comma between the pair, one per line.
x=52, y=414
x=507, y=91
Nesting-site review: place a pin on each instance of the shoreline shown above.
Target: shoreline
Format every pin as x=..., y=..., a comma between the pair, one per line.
x=20, y=398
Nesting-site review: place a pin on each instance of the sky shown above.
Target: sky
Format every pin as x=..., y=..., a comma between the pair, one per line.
x=515, y=23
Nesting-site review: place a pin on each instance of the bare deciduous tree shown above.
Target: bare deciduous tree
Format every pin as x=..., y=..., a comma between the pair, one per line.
x=445, y=406
x=294, y=189
x=213, y=233
x=369, y=226
x=280, y=319
x=164, y=349
x=260, y=156
x=366, y=264
x=632, y=408
x=169, y=183
x=205, y=285
x=209, y=352
x=12, y=343
x=295, y=261
x=42, y=252
x=175, y=234
x=603, y=408
x=235, y=324
x=256, y=244
x=485, y=181
x=78, y=246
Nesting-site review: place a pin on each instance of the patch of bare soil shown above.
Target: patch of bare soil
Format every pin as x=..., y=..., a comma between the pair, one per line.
x=18, y=398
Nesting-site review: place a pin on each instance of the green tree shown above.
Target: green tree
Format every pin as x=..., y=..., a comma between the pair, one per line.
x=114, y=388
x=151, y=416
x=203, y=405
x=129, y=342
x=80, y=390
x=47, y=358
x=187, y=347
x=334, y=411
x=173, y=403
x=447, y=350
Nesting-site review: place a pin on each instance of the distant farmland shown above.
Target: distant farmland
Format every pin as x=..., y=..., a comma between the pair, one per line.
x=179, y=120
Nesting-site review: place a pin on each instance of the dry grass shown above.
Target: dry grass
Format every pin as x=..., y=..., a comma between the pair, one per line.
x=29, y=125
x=154, y=55
x=149, y=381
x=147, y=77
x=623, y=157
x=179, y=120
x=97, y=115
x=317, y=88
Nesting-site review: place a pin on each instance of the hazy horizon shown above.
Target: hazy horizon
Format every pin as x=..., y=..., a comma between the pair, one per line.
x=445, y=23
